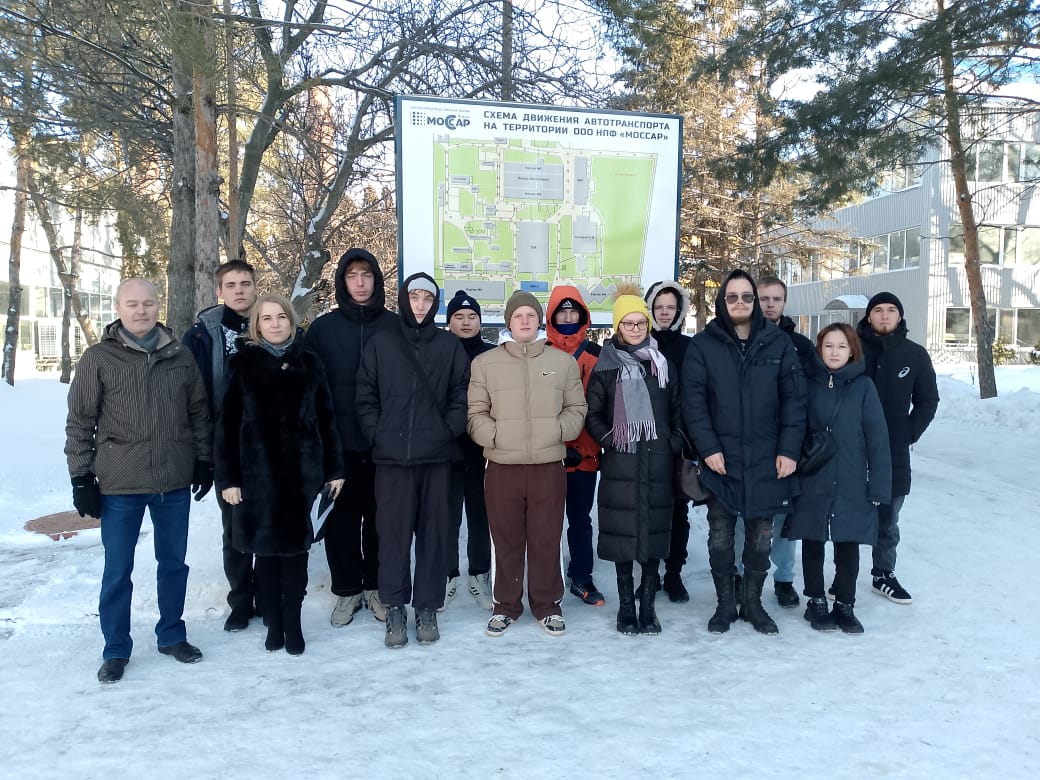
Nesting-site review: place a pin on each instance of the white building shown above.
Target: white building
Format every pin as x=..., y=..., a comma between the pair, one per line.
x=916, y=249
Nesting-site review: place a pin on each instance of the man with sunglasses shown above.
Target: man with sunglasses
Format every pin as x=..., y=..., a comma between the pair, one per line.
x=743, y=398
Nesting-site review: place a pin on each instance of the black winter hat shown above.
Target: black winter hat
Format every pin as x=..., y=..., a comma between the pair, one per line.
x=463, y=300
x=885, y=297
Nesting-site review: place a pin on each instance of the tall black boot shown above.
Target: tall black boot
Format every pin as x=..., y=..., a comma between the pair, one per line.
x=269, y=594
x=751, y=608
x=648, y=587
x=294, y=588
x=626, y=614
x=726, y=611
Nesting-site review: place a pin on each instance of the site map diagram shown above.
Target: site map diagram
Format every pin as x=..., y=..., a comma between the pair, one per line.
x=520, y=214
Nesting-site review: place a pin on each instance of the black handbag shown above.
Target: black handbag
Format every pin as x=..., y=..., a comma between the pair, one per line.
x=819, y=446
x=688, y=474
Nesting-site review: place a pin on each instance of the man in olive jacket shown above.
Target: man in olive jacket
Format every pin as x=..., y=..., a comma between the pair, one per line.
x=525, y=402
x=138, y=435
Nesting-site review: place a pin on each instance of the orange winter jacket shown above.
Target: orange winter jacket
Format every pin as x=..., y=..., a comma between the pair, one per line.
x=585, y=352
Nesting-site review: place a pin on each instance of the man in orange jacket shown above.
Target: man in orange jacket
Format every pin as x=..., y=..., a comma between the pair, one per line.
x=566, y=327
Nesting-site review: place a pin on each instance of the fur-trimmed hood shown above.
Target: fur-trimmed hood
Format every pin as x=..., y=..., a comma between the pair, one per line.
x=684, y=303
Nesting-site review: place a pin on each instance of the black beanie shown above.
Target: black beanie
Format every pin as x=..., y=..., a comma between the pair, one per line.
x=885, y=297
x=463, y=300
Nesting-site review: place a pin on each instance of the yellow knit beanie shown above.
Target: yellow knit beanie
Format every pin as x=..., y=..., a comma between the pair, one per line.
x=628, y=304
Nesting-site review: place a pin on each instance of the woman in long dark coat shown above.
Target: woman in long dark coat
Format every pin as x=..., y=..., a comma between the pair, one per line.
x=840, y=500
x=277, y=447
x=634, y=414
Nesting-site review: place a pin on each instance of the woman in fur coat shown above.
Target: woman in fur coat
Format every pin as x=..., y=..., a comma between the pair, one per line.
x=277, y=447
x=635, y=416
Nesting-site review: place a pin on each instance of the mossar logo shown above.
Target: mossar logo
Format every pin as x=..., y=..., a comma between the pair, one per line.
x=447, y=121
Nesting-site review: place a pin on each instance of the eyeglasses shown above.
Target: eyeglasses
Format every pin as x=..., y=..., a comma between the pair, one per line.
x=746, y=297
x=631, y=326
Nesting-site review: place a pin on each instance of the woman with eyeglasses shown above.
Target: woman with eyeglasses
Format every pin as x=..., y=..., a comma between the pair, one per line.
x=635, y=416
x=840, y=501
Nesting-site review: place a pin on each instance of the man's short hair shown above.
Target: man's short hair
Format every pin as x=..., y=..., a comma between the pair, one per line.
x=233, y=265
x=773, y=280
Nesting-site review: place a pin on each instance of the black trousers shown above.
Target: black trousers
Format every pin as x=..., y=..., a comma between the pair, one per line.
x=467, y=487
x=238, y=567
x=413, y=502
x=351, y=539
x=846, y=569
x=281, y=581
x=680, y=536
x=758, y=539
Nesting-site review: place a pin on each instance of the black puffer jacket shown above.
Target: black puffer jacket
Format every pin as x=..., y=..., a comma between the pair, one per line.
x=338, y=339
x=802, y=345
x=749, y=405
x=905, y=380
x=277, y=441
x=635, y=489
x=672, y=342
x=404, y=418
x=839, y=497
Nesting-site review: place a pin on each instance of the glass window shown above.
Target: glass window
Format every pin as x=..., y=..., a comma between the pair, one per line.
x=1028, y=327
x=1029, y=246
x=880, y=257
x=956, y=254
x=1013, y=156
x=1010, y=240
x=25, y=339
x=40, y=302
x=991, y=161
x=896, y=250
x=958, y=320
x=57, y=302
x=913, y=248
x=1005, y=319
x=989, y=244
x=1030, y=170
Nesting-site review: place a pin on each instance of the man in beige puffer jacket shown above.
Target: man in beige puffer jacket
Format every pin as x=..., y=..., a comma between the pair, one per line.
x=525, y=401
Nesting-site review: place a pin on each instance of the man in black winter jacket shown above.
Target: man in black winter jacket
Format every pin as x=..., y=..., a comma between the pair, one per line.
x=905, y=380
x=338, y=338
x=743, y=399
x=411, y=408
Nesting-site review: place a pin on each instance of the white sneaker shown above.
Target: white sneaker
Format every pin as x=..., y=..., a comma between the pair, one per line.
x=498, y=625
x=343, y=612
x=480, y=589
x=554, y=625
x=374, y=604
x=449, y=592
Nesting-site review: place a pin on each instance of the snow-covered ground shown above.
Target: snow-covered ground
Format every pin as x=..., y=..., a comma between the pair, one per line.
x=942, y=688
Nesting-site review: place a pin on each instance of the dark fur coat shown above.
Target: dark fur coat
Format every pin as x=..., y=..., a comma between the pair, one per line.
x=277, y=440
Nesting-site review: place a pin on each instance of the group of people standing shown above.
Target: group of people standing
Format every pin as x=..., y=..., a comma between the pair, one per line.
x=402, y=424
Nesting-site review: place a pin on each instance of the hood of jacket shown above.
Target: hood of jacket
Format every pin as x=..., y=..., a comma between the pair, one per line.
x=722, y=319
x=404, y=307
x=556, y=339
x=347, y=305
x=818, y=371
x=680, y=292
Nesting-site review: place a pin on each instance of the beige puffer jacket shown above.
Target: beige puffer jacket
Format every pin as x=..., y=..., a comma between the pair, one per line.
x=525, y=401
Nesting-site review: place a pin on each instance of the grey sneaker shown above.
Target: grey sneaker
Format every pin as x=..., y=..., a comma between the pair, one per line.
x=554, y=625
x=498, y=625
x=480, y=589
x=426, y=630
x=449, y=592
x=374, y=604
x=396, y=626
x=344, y=610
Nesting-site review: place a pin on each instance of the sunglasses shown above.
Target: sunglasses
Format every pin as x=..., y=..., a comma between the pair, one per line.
x=746, y=297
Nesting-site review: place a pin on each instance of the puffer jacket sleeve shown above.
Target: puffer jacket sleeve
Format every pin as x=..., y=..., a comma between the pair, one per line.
x=792, y=403
x=332, y=455
x=366, y=401
x=456, y=411
x=480, y=425
x=572, y=413
x=675, y=439
x=84, y=401
x=696, y=406
x=925, y=397
x=597, y=420
x=879, y=456
x=199, y=417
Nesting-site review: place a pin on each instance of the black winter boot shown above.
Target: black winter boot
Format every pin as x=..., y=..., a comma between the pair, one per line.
x=726, y=612
x=846, y=619
x=648, y=587
x=269, y=593
x=817, y=614
x=294, y=588
x=751, y=605
x=627, y=623
x=294, y=644
x=674, y=587
x=275, y=629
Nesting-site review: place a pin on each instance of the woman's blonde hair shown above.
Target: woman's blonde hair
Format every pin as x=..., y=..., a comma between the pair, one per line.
x=254, y=315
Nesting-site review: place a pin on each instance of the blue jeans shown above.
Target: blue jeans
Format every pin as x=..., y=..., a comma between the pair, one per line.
x=781, y=554
x=887, y=537
x=121, y=518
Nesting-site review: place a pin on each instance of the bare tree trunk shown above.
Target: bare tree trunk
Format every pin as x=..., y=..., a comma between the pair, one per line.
x=983, y=324
x=180, y=275
x=207, y=175
x=14, y=305
x=68, y=285
x=54, y=244
x=507, y=50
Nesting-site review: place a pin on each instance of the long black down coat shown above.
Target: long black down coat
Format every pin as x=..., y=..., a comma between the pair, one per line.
x=635, y=489
x=405, y=419
x=748, y=405
x=838, y=498
x=339, y=339
x=277, y=440
x=905, y=380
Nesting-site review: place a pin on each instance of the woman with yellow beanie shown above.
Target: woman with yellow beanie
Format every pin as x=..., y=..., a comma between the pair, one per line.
x=634, y=414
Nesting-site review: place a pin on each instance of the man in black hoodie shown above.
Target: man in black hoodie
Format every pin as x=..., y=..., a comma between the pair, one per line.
x=905, y=380
x=338, y=339
x=743, y=399
x=411, y=407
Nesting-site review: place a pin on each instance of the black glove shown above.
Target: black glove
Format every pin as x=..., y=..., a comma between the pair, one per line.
x=201, y=479
x=572, y=458
x=86, y=496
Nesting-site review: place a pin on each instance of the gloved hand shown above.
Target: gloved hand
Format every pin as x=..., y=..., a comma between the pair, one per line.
x=572, y=458
x=86, y=496
x=201, y=479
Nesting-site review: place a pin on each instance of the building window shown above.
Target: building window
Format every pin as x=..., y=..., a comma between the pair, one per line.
x=1028, y=334
x=1029, y=246
x=958, y=325
x=1008, y=161
x=1030, y=170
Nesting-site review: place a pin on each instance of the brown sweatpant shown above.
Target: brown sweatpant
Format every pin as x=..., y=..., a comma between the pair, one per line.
x=525, y=514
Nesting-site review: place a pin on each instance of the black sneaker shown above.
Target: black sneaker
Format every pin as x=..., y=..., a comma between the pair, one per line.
x=818, y=616
x=185, y=652
x=846, y=619
x=426, y=630
x=112, y=670
x=888, y=586
x=588, y=592
x=396, y=626
x=786, y=595
x=674, y=587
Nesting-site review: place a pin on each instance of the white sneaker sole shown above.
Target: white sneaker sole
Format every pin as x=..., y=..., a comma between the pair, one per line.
x=886, y=593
